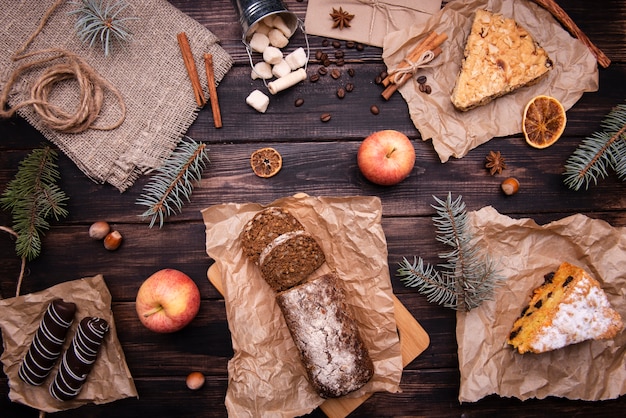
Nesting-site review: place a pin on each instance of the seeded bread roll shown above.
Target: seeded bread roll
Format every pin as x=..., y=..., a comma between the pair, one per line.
x=45, y=348
x=325, y=332
x=264, y=227
x=290, y=259
x=79, y=358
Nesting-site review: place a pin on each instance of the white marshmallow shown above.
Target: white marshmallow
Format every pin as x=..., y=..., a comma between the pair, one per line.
x=259, y=42
x=261, y=70
x=262, y=28
x=277, y=38
x=287, y=81
x=280, y=24
x=272, y=55
x=296, y=59
x=281, y=69
x=258, y=101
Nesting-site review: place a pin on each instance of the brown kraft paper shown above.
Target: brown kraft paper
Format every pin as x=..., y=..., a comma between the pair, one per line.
x=455, y=133
x=591, y=370
x=266, y=376
x=109, y=379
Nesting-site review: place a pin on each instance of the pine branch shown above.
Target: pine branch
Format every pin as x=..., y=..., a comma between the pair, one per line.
x=33, y=197
x=99, y=20
x=597, y=154
x=468, y=277
x=173, y=184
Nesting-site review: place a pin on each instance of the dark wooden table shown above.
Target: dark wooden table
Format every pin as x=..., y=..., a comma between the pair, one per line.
x=319, y=159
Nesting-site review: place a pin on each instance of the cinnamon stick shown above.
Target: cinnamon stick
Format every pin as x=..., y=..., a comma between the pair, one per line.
x=416, y=51
x=210, y=76
x=391, y=88
x=190, y=64
x=561, y=16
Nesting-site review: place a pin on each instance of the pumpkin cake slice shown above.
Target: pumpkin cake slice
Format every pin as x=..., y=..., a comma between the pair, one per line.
x=500, y=56
x=568, y=308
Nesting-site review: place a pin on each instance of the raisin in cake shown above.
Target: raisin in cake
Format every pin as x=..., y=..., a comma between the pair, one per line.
x=289, y=259
x=264, y=227
x=326, y=334
x=499, y=57
x=568, y=308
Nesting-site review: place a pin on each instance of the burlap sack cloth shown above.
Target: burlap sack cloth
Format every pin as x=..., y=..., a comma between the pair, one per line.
x=148, y=71
x=265, y=375
x=455, y=133
x=109, y=379
x=525, y=251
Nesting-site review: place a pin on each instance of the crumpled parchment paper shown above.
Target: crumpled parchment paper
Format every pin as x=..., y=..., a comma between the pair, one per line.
x=109, y=379
x=591, y=370
x=455, y=133
x=266, y=376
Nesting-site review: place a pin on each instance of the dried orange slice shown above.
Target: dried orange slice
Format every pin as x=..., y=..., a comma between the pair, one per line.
x=266, y=162
x=543, y=122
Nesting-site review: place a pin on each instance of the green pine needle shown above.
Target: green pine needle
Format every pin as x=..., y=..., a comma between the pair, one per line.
x=173, y=184
x=99, y=20
x=468, y=277
x=33, y=197
x=597, y=154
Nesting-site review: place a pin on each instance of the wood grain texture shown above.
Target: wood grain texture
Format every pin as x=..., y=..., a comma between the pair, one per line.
x=318, y=159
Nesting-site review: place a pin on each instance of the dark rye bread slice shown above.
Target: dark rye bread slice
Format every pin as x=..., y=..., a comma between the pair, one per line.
x=45, y=348
x=327, y=336
x=263, y=228
x=78, y=359
x=289, y=259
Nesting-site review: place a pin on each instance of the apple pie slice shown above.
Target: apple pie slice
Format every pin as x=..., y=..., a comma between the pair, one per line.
x=500, y=56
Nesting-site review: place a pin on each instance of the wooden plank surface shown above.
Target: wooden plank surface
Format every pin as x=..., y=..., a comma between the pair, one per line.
x=319, y=159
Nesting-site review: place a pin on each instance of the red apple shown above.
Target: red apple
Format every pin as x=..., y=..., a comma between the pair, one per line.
x=167, y=301
x=386, y=157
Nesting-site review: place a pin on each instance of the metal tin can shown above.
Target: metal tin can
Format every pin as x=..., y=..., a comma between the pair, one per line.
x=252, y=12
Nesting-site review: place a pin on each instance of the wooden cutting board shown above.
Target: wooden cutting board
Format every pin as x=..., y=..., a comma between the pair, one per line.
x=413, y=341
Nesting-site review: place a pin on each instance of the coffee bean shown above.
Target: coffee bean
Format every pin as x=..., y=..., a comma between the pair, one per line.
x=322, y=71
x=350, y=44
x=299, y=102
x=428, y=89
x=336, y=44
x=318, y=55
x=325, y=42
x=349, y=87
x=325, y=117
x=351, y=72
x=326, y=62
x=324, y=56
x=374, y=109
x=340, y=62
x=341, y=93
x=421, y=79
x=339, y=54
x=314, y=77
x=383, y=74
x=335, y=73
x=360, y=47
x=378, y=79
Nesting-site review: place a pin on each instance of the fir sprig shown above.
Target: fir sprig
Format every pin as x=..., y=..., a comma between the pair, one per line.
x=597, y=154
x=33, y=196
x=173, y=184
x=469, y=275
x=100, y=20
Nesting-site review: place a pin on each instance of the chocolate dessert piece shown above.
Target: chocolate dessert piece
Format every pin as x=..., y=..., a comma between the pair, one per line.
x=327, y=336
x=47, y=343
x=79, y=358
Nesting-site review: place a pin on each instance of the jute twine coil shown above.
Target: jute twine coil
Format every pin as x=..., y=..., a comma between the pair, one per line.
x=63, y=66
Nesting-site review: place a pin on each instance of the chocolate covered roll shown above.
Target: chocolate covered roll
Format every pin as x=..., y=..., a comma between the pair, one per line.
x=47, y=343
x=78, y=359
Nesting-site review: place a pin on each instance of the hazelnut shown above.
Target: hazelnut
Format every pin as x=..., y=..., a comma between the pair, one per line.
x=113, y=240
x=195, y=380
x=510, y=186
x=99, y=230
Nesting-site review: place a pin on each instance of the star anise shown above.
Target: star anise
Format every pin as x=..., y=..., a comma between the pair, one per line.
x=341, y=18
x=495, y=162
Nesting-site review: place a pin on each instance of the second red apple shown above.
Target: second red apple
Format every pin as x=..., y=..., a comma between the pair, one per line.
x=386, y=157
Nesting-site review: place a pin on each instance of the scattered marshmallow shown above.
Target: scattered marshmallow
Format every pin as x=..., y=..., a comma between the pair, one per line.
x=296, y=59
x=281, y=69
x=277, y=38
x=261, y=70
x=287, y=81
x=259, y=42
x=272, y=55
x=258, y=100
